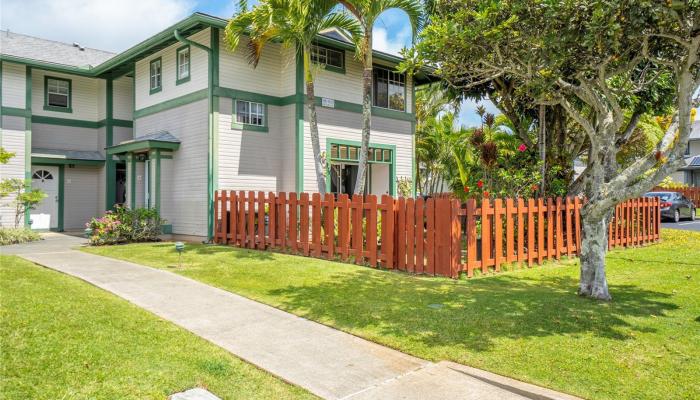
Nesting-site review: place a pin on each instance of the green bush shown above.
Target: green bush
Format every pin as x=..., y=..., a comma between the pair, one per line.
x=17, y=235
x=124, y=225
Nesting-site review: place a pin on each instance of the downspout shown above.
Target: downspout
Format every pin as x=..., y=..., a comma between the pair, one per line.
x=210, y=139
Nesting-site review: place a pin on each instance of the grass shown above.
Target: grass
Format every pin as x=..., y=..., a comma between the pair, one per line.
x=62, y=338
x=528, y=324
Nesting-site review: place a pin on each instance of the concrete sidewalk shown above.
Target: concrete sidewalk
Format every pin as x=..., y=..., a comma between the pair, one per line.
x=327, y=362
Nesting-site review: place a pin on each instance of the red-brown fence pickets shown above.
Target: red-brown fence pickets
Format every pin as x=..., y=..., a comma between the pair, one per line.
x=437, y=236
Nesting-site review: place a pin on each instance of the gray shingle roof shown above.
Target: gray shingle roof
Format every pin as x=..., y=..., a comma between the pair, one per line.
x=68, y=154
x=162, y=136
x=19, y=45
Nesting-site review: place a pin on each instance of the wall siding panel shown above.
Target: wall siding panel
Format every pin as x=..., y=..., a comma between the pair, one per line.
x=12, y=140
x=199, y=73
x=188, y=182
x=81, y=198
x=123, y=104
x=13, y=85
x=66, y=137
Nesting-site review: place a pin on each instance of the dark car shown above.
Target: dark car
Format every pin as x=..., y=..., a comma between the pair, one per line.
x=674, y=205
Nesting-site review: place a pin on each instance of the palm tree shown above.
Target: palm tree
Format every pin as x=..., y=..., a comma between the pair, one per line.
x=367, y=12
x=293, y=23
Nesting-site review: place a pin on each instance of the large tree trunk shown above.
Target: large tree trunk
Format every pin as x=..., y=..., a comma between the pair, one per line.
x=313, y=124
x=366, y=114
x=594, y=245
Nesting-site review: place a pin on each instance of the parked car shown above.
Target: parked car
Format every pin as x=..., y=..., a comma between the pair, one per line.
x=674, y=206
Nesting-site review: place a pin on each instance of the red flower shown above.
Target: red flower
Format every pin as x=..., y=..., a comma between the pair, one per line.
x=486, y=194
x=466, y=189
x=522, y=147
x=534, y=188
x=480, y=184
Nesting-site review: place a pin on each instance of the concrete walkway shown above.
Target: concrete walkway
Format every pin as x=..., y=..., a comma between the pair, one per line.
x=327, y=362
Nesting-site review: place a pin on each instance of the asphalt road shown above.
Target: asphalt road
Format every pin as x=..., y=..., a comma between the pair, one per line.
x=686, y=225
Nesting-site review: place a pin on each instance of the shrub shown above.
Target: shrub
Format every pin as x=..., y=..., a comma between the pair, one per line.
x=124, y=225
x=17, y=235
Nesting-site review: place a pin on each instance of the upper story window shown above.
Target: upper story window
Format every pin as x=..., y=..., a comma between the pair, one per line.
x=330, y=58
x=687, y=149
x=250, y=113
x=156, y=75
x=389, y=89
x=183, y=64
x=57, y=94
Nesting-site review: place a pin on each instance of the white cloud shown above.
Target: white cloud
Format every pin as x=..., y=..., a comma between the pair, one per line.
x=112, y=25
x=382, y=42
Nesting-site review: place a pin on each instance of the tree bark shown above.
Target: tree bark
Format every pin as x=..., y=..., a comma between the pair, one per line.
x=313, y=124
x=366, y=113
x=543, y=149
x=594, y=245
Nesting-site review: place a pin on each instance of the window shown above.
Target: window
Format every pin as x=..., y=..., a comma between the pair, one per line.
x=687, y=149
x=342, y=152
x=42, y=175
x=156, y=75
x=57, y=93
x=332, y=59
x=249, y=115
x=183, y=64
x=389, y=89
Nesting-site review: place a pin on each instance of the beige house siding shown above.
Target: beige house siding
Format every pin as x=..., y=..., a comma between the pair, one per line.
x=13, y=83
x=81, y=199
x=250, y=160
x=188, y=182
x=65, y=137
x=84, y=96
x=344, y=125
x=123, y=104
x=12, y=140
x=273, y=76
x=199, y=73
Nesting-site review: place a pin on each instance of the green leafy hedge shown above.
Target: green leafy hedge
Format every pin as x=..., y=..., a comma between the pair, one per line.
x=124, y=225
x=17, y=235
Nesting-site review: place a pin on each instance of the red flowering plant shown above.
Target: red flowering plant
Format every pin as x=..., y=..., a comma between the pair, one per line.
x=123, y=225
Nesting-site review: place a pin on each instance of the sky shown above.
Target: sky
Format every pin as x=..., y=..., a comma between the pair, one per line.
x=116, y=25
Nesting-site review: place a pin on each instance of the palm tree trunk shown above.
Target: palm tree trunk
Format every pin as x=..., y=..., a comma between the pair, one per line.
x=313, y=123
x=366, y=113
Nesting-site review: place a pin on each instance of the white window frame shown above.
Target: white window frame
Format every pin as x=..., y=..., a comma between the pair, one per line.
x=249, y=114
x=320, y=55
x=183, y=67
x=155, y=78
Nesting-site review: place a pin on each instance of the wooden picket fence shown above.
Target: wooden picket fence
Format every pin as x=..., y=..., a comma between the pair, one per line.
x=692, y=193
x=437, y=236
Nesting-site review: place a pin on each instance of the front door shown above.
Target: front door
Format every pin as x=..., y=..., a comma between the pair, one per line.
x=45, y=215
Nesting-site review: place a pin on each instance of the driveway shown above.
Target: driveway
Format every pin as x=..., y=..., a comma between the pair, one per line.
x=685, y=225
x=327, y=362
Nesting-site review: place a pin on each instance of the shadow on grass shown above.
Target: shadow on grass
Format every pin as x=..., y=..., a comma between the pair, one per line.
x=474, y=315
x=214, y=249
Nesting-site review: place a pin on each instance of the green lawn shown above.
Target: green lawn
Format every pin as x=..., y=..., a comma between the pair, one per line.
x=61, y=338
x=527, y=324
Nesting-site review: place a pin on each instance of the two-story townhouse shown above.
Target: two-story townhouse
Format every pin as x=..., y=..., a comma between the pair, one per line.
x=179, y=115
x=690, y=172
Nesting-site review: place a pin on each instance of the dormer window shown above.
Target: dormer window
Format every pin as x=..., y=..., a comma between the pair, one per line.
x=156, y=75
x=389, y=89
x=332, y=59
x=57, y=94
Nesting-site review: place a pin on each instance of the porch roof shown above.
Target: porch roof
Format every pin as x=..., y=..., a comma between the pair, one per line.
x=159, y=140
x=59, y=156
x=691, y=163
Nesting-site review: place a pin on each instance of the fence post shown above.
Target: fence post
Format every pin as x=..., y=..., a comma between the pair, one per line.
x=530, y=231
x=485, y=234
x=456, y=234
x=420, y=233
x=217, y=228
x=498, y=235
x=540, y=230
x=560, y=237
x=410, y=235
x=401, y=235
x=430, y=245
x=343, y=226
x=388, y=233
x=293, y=221
x=569, y=239
x=329, y=226
x=521, y=230
x=471, y=237
x=510, y=232
x=304, y=223
x=372, y=229
x=357, y=222
x=242, y=200
x=316, y=224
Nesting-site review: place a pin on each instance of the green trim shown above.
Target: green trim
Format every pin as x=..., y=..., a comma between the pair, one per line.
x=132, y=180
x=81, y=123
x=142, y=145
x=153, y=90
x=172, y=103
x=27, y=136
x=15, y=112
x=249, y=96
x=299, y=121
x=65, y=161
x=111, y=168
x=392, y=164
x=179, y=80
x=213, y=136
x=48, y=107
x=413, y=139
x=156, y=153
x=61, y=195
x=248, y=127
x=166, y=156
